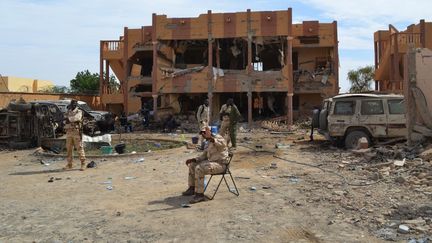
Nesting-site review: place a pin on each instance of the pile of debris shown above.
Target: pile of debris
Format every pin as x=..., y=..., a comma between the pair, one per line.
x=276, y=126
x=406, y=164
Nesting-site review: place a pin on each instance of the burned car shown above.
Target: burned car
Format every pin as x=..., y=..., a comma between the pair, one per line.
x=23, y=125
x=94, y=121
x=348, y=117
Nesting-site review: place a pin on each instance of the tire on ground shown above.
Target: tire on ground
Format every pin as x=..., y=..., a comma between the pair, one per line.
x=323, y=119
x=315, y=118
x=19, y=106
x=352, y=138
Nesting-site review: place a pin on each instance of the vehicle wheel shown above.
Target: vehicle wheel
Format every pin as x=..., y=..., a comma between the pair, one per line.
x=351, y=139
x=20, y=145
x=19, y=106
x=323, y=119
x=316, y=118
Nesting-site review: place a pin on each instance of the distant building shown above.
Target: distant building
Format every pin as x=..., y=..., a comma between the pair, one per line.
x=27, y=85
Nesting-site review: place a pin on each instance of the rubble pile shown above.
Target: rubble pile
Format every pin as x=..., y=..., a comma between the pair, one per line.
x=275, y=126
x=188, y=123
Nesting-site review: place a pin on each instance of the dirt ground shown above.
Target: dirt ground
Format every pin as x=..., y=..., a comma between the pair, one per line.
x=290, y=203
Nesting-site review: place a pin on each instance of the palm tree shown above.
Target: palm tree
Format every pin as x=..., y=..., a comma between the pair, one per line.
x=361, y=79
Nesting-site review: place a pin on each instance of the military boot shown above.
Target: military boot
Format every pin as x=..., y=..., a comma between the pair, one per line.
x=83, y=166
x=199, y=197
x=68, y=166
x=189, y=192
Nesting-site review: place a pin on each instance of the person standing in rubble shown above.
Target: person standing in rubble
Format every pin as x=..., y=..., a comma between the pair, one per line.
x=212, y=161
x=203, y=114
x=229, y=115
x=73, y=127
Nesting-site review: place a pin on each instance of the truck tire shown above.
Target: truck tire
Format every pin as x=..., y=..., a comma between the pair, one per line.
x=323, y=119
x=13, y=106
x=315, y=118
x=351, y=139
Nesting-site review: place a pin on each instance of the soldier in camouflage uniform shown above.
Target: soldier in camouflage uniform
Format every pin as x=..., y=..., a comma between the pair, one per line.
x=73, y=127
x=212, y=161
x=230, y=115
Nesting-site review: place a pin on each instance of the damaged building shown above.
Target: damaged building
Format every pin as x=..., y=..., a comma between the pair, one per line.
x=268, y=65
x=391, y=47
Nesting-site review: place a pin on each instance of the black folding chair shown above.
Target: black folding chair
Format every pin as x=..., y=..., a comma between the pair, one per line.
x=226, y=172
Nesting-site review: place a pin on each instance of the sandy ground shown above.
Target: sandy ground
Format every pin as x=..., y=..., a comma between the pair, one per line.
x=300, y=204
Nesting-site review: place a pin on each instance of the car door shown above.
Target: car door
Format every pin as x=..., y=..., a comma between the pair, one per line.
x=341, y=117
x=373, y=117
x=396, y=118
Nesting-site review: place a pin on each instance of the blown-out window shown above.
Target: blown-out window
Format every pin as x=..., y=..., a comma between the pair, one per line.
x=396, y=106
x=372, y=107
x=344, y=107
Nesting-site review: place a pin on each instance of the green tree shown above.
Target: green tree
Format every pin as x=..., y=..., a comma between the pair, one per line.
x=85, y=83
x=113, y=83
x=361, y=79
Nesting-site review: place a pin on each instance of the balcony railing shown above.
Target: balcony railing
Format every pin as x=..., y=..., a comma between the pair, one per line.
x=112, y=45
x=403, y=39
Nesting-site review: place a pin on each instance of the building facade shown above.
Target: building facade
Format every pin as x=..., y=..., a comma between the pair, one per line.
x=27, y=85
x=391, y=47
x=268, y=65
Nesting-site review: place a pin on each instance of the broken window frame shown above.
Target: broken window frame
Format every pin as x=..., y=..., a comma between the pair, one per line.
x=367, y=107
x=338, y=111
x=401, y=108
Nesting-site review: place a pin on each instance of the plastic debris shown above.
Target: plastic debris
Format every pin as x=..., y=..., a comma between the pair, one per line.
x=139, y=160
x=109, y=188
x=399, y=162
x=130, y=177
x=403, y=229
x=185, y=205
x=252, y=188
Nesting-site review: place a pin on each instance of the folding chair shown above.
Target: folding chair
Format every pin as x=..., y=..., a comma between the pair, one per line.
x=226, y=172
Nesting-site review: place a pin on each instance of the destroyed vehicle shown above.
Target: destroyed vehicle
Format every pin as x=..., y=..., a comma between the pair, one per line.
x=23, y=125
x=348, y=117
x=94, y=121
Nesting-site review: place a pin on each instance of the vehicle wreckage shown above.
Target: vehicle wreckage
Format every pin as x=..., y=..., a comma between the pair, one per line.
x=25, y=125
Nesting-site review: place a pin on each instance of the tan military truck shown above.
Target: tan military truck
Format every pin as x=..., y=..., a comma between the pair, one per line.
x=348, y=117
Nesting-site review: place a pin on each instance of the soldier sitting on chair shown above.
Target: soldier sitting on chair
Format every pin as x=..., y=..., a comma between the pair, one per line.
x=212, y=161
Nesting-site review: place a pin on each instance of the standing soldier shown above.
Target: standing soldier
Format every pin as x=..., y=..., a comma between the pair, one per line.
x=230, y=115
x=203, y=117
x=74, y=118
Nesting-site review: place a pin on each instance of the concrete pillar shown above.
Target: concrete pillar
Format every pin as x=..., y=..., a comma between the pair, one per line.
x=290, y=93
x=290, y=108
x=101, y=80
x=155, y=99
x=249, y=95
x=210, y=98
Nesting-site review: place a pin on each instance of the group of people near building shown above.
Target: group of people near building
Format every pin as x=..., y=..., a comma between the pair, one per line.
x=213, y=160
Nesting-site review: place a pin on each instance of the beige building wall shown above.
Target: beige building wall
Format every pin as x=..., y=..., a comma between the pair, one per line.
x=28, y=85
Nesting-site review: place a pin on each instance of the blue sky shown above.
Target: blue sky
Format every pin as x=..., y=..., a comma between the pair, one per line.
x=55, y=39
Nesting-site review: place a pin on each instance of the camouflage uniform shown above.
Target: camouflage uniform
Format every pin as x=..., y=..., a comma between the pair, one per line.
x=230, y=117
x=74, y=135
x=212, y=161
x=203, y=116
